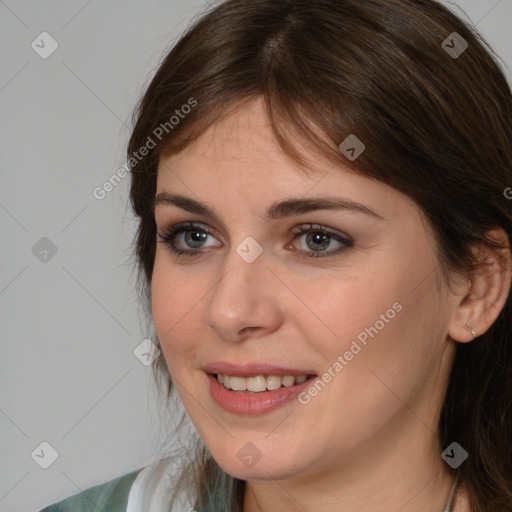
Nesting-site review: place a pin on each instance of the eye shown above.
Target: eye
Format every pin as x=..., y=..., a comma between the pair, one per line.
x=188, y=238
x=192, y=236
x=317, y=238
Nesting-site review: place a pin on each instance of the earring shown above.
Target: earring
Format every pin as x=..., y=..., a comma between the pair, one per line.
x=468, y=325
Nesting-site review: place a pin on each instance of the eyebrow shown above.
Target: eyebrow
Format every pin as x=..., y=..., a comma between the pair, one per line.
x=277, y=210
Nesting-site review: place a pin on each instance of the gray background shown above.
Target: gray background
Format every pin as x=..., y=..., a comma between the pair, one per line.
x=70, y=324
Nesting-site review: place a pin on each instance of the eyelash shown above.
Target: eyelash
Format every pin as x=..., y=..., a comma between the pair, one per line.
x=169, y=235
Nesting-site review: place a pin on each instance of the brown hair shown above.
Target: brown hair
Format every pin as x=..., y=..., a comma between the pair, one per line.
x=436, y=127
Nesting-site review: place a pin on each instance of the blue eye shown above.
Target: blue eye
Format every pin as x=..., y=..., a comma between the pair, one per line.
x=195, y=235
x=192, y=238
x=317, y=238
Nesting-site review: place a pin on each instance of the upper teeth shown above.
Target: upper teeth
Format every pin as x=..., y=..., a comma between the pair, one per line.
x=259, y=382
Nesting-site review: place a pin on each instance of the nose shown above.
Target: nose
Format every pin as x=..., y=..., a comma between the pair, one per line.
x=246, y=300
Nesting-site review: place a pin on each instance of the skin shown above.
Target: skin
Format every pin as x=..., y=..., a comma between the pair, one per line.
x=368, y=440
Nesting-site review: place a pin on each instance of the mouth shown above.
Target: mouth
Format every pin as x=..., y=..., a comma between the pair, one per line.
x=258, y=384
x=255, y=389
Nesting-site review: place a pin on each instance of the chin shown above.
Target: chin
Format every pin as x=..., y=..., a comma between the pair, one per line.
x=260, y=471
x=249, y=463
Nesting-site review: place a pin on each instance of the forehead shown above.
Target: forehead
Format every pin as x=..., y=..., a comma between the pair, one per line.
x=243, y=134
x=238, y=158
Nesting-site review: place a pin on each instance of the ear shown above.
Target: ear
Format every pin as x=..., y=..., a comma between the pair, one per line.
x=484, y=292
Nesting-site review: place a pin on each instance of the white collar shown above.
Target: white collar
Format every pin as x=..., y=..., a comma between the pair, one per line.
x=150, y=491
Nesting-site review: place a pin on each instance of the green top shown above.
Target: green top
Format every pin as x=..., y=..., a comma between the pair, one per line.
x=112, y=496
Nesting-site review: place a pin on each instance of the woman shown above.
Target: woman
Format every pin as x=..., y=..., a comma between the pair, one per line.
x=323, y=241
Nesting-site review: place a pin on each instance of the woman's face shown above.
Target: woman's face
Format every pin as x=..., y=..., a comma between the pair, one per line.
x=357, y=306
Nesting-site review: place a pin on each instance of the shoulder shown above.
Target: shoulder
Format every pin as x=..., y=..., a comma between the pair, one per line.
x=111, y=496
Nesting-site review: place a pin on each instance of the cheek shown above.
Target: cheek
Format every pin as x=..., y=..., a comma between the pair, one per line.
x=375, y=323
x=176, y=301
x=344, y=308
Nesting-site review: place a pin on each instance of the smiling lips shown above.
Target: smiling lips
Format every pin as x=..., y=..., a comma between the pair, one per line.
x=255, y=389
